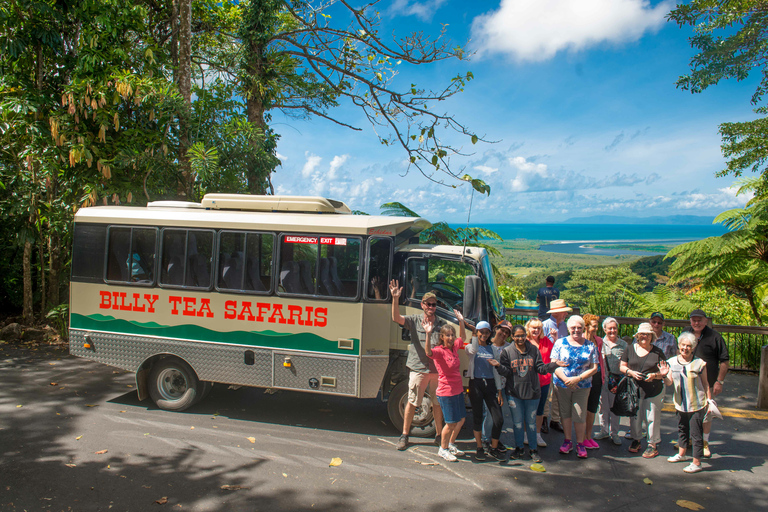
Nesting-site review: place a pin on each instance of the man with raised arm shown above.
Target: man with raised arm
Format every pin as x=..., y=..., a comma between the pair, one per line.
x=423, y=374
x=713, y=350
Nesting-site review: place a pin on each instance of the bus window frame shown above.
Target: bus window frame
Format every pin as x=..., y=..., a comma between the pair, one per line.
x=217, y=253
x=156, y=265
x=431, y=256
x=368, y=268
x=360, y=265
x=159, y=257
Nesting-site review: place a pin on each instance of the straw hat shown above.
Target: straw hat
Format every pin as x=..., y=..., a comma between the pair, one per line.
x=645, y=327
x=559, y=305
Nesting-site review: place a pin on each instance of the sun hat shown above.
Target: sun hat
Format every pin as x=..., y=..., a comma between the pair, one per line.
x=558, y=306
x=646, y=328
x=697, y=312
x=483, y=325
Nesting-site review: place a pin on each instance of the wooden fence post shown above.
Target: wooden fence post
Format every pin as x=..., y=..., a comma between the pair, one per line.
x=762, y=385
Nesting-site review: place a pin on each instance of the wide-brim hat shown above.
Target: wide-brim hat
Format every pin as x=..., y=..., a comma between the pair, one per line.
x=558, y=306
x=646, y=328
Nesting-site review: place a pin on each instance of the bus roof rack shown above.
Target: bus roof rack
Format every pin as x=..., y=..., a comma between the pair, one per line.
x=296, y=204
x=173, y=204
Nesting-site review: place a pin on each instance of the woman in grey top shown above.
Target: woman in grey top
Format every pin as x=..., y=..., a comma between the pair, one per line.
x=613, y=349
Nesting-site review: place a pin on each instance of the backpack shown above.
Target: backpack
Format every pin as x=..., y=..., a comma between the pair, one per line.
x=627, y=398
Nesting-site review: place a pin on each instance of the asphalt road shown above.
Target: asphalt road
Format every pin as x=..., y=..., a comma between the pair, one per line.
x=73, y=436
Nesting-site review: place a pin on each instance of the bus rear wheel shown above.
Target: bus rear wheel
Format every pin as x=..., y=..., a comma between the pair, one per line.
x=423, y=424
x=173, y=385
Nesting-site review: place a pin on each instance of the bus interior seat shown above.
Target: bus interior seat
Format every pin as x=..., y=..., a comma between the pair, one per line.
x=289, y=277
x=117, y=269
x=233, y=271
x=197, y=271
x=326, y=283
x=253, y=274
x=335, y=276
x=308, y=285
x=175, y=271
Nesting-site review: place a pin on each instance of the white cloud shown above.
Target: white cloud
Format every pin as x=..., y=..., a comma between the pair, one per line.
x=485, y=169
x=422, y=10
x=309, y=166
x=337, y=162
x=535, y=30
x=280, y=157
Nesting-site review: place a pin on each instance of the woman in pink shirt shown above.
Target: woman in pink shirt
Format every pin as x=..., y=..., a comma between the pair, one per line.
x=450, y=389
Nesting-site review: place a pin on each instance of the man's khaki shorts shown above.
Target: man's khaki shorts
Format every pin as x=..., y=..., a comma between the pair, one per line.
x=418, y=383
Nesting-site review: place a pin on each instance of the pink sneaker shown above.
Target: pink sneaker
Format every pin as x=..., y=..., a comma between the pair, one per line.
x=566, y=447
x=591, y=444
x=581, y=451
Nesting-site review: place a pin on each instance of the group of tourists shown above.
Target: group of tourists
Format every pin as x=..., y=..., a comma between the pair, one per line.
x=566, y=367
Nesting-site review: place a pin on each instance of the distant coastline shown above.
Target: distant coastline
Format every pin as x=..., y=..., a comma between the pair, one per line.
x=605, y=233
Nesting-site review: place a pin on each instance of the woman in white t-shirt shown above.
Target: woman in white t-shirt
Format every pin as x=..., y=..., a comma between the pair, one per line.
x=692, y=395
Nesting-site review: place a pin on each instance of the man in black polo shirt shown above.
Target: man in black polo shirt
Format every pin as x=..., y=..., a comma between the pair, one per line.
x=713, y=349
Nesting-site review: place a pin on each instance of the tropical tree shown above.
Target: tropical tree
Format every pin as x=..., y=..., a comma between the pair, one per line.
x=604, y=290
x=737, y=260
x=730, y=38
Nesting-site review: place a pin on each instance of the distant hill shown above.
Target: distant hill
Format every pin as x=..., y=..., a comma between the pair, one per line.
x=671, y=219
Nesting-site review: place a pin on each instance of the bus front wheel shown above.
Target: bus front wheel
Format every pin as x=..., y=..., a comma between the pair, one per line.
x=423, y=424
x=173, y=385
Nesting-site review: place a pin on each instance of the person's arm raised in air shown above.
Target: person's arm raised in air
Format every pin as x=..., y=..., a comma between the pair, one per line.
x=396, y=291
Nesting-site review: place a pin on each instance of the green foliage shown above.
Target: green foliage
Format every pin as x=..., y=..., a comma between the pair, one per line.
x=723, y=307
x=510, y=294
x=672, y=303
x=604, y=290
x=59, y=317
x=731, y=43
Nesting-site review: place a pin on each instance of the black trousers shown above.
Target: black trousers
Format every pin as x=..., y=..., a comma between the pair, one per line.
x=690, y=425
x=483, y=391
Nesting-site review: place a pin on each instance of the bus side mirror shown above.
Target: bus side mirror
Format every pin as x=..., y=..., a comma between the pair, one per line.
x=473, y=293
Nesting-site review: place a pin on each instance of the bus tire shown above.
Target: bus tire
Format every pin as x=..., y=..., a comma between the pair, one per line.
x=205, y=388
x=173, y=385
x=423, y=424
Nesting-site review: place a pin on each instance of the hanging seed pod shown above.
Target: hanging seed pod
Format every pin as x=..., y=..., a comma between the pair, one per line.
x=105, y=201
x=116, y=121
x=130, y=197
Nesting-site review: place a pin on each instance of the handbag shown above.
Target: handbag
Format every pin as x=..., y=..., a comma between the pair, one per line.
x=627, y=400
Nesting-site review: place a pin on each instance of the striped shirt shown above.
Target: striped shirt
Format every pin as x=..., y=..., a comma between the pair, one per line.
x=690, y=395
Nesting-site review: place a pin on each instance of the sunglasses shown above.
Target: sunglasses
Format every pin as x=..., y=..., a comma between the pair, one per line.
x=430, y=304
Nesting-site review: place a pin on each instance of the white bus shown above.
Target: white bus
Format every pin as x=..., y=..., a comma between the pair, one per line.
x=267, y=291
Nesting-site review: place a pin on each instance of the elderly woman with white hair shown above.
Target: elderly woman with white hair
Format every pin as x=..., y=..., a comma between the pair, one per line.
x=573, y=382
x=613, y=349
x=641, y=361
x=688, y=375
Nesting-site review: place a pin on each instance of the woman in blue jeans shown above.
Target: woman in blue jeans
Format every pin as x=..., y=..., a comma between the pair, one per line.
x=521, y=364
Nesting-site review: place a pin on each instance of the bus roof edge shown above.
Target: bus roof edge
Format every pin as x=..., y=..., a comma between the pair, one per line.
x=296, y=204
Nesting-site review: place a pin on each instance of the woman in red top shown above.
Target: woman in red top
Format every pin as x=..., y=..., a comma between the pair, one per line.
x=598, y=379
x=450, y=389
x=535, y=334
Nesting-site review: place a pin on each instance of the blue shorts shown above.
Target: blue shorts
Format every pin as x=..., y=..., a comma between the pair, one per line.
x=453, y=408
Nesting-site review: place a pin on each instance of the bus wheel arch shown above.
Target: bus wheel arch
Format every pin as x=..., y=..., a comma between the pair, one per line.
x=423, y=424
x=171, y=382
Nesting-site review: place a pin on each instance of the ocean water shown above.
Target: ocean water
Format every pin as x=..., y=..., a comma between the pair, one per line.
x=605, y=232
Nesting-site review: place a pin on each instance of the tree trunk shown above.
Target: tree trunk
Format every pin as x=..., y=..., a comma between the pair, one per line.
x=185, y=88
x=175, y=36
x=751, y=299
x=54, y=269
x=255, y=113
x=41, y=276
x=27, y=269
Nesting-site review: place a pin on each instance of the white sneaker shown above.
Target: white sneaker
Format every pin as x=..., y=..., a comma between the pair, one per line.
x=601, y=435
x=447, y=455
x=677, y=458
x=692, y=468
x=526, y=438
x=616, y=439
x=455, y=450
x=539, y=441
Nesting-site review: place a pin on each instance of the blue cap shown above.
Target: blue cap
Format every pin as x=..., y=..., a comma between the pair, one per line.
x=483, y=325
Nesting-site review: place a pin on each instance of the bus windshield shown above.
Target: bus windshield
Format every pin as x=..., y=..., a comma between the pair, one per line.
x=496, y=301
x=444, y=278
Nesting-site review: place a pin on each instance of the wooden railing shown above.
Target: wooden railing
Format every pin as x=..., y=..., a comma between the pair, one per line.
x=744, y=342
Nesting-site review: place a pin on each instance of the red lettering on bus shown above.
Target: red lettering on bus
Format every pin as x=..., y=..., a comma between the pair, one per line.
x=321, y=319
x=205, y=308
x=136, y=307
x=123, y=307
x=175, y=301
x=189, y=306
x=246, y=307
x=277, y=310
x=106, y=300
x=115, y=296
x=230, y=309
x=308, y=320
x=294, y=314
x=263, y=308
x=151, y=299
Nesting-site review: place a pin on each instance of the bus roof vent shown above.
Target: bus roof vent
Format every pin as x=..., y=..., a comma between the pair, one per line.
x=173, y=204
x=296, y=204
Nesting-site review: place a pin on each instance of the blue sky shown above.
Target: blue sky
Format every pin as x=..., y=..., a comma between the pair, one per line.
x=580, y=96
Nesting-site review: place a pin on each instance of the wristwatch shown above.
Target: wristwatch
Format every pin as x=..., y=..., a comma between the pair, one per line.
x=721, y=382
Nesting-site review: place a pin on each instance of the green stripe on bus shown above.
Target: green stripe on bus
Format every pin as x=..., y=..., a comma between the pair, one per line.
x=267, y=339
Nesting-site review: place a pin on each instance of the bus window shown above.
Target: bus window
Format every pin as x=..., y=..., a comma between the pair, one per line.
x=245, y=261
x=444, y=278
x=379, y=264
x=131, y=255
x=320, y=265
x=186, y=258
x=88, y=252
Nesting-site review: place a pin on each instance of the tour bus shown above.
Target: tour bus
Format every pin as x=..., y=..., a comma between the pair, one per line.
x=278, y=292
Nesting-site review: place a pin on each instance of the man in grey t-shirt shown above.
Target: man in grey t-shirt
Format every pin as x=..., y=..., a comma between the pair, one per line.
x=423, y=375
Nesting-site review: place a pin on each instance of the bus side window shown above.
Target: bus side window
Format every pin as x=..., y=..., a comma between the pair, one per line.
x=131, y=255
x=172, y=266
x=245, y=261
x=88, y=252
x=339, y=266
x=379, y=264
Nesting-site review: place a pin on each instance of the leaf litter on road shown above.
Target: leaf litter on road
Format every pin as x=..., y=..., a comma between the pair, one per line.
x=336, y=461
x=690, y=505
